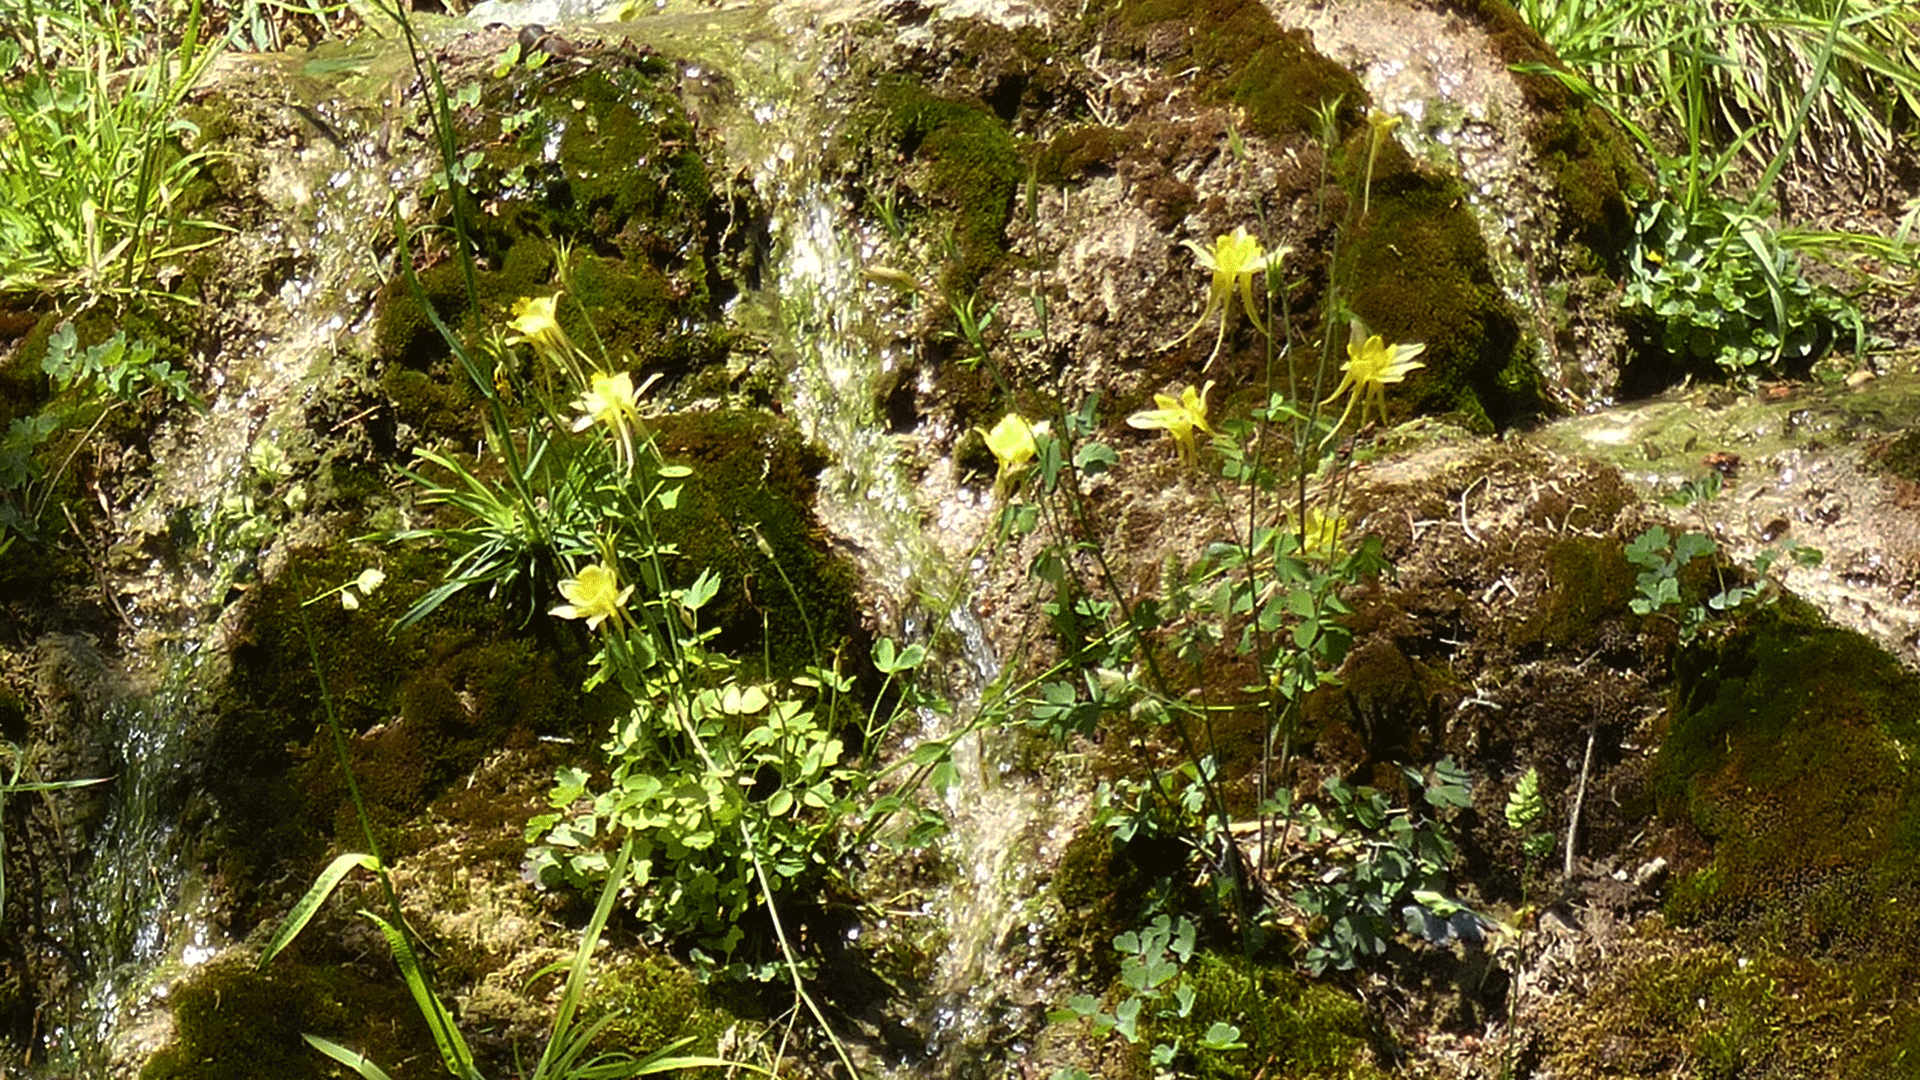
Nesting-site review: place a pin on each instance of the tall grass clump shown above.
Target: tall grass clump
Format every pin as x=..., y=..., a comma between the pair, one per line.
x=95, y=160
x=1726, y=100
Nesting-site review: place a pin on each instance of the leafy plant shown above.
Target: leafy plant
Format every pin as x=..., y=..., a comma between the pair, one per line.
x=94, y=168
x=1524, y=811
x=1151, y=962
x=1663, y=558
x=1721, y=291
x=1375, y=861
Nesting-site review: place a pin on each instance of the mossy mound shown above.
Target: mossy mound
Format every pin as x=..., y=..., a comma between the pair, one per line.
x=1789, y=753
x=746, y=514
x=1788, y=944
x=1417, y=270
x=1247, y=59
x=234, y=1023
x=963, y=165
x=1291, y=1026
x=601, y=161
x=420, y=709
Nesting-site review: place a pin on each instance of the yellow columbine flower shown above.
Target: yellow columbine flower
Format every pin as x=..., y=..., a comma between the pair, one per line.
x=613, y=401
x=1321, y=537
x=1382, y=124
x=1012, y=443
x=595, y=595
x=1234, y=259
x=1370, y=366
x=536, y=322
x=609, y=400
x=1179, y=417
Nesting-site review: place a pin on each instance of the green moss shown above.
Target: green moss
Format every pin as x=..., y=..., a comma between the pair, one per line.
x=1708, y=1010
x=754, y=479
x=1789, y=752
x=421, y=708
x=1292, y=1026
x=1104, y=889
x=603, y=159
x=1244, y=57
x=968, y=167
x=1077, y=153
x=1417, y=270
x=1901, y=457
x=233, y=1023
x=656, y=1002
x=1591, y=581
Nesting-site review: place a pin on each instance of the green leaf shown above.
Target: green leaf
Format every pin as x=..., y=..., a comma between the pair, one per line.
x=1222, y=1037
x=352, y=1059
x=675, y=472
x=309, y=904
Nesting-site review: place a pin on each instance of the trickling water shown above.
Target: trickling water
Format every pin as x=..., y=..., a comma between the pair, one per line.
x=838, y=332
x=138, y=914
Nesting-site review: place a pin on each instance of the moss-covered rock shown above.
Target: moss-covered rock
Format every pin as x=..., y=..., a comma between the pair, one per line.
x=1417, y=270
x=746, y=515
x=1247, y=59
x=234, y=1023
x=964, y=164
x=1291, y=1025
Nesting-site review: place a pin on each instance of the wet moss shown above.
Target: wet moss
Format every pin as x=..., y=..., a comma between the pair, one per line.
x=1245, y=58
x=1901, y=457
x=965, y=163
x=233, y=1023
x=605, y=160
x=754, y=480
x=420, y=708
x=1104, y=889
x=1417, y=270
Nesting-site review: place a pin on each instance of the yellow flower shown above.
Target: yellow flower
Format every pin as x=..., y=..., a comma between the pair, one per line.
x=1011, y=441
x=1234, y=259
x=536, y=322
x=1179, y=417
x=609, y=400
x=1370, y=366
x=1321, y=537
x=1383, y=124
x=613, y=401
x=595, y=595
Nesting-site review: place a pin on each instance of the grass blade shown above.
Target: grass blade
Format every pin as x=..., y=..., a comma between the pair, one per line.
x=352, y=1059
x=309, y=904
